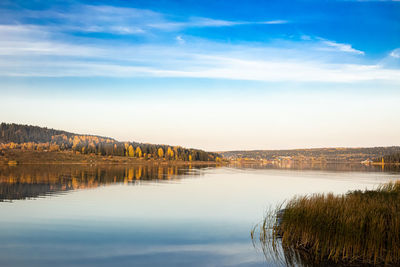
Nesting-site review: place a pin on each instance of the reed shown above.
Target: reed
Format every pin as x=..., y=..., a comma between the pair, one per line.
x=357, y=228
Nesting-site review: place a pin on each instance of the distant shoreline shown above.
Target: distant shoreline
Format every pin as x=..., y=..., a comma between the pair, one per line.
x=272, y=162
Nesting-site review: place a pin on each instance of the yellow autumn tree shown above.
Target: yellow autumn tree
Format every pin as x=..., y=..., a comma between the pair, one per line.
x=176, y=152
x=131, y=152
x=30, y=146
x=170, y=153
x=54, y=147
x=138, y=152
x=160, y=152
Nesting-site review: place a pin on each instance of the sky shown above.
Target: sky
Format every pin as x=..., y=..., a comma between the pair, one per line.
x=214, y=75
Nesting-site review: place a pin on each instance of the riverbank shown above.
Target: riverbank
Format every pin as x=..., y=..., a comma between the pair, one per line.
x=18, y=156
x=357, y=228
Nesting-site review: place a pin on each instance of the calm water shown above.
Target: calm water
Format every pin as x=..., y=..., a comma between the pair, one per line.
x=150, y=215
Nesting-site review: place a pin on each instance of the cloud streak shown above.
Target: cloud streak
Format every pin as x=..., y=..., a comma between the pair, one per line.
x=342, y=47
x=52, y=50
x=230, y=68
x=28, y=53
x=122, y=20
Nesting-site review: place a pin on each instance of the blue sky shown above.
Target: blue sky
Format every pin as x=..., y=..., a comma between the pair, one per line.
x=215, y=75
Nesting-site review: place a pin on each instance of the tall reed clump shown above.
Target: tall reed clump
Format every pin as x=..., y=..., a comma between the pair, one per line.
x=360, y=227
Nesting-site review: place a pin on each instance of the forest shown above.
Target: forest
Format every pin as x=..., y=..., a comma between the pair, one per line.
x=27, y=137
x=392, y=158
x=339, y=154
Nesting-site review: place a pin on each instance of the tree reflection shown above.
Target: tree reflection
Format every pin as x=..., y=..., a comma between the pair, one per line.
x=32, y=181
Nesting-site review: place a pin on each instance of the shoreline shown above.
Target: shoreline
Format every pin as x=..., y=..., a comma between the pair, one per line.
x=29, y=157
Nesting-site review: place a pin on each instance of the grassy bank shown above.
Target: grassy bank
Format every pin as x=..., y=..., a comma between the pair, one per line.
x=357, y=228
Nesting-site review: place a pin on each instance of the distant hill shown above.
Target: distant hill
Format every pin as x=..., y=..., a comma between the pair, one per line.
x=27, y=137
x=18, y=133
x=318, y=154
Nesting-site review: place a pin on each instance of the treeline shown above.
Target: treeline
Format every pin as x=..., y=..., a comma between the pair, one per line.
x=329, y=154
x=392, y=158
x=16, y=136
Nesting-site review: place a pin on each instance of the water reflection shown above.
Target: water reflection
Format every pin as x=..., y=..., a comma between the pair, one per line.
x=202, y=220
x=32, y=181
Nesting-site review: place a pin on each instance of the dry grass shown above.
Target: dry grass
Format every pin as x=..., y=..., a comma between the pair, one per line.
x=358, y=228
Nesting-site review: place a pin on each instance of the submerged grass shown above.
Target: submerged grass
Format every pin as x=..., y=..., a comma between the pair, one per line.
x=357, y=228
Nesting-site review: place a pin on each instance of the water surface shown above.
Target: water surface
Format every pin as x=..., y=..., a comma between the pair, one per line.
x=146, y=215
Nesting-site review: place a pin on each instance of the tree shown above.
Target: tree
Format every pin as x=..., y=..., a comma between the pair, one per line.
x=131, y=152
x=138, y=152
x=160, y=152
x=170, y=153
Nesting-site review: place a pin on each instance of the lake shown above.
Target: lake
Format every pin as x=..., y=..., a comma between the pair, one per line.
x=152, y=215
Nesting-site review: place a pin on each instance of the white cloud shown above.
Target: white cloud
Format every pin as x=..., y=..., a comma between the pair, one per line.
x=274, y=22
x=121, y=20
x=179, y=39
x=395, y=53
x=343, y=47
x=198, y=22
x=30, y=40
x=207, y=22
x=189, y=65
x=33, y=51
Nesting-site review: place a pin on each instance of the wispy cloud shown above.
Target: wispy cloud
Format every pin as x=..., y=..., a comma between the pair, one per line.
x=232, y=69
x=51, y=50
x=330, y=45
x=30, y=52
x=395, y=53
x=198, y=22
x=342, y=47
x=31, y=40
x=120, y=20
x=207, y=22
x=274, y=22
x=90, y=18
x=179, y=39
